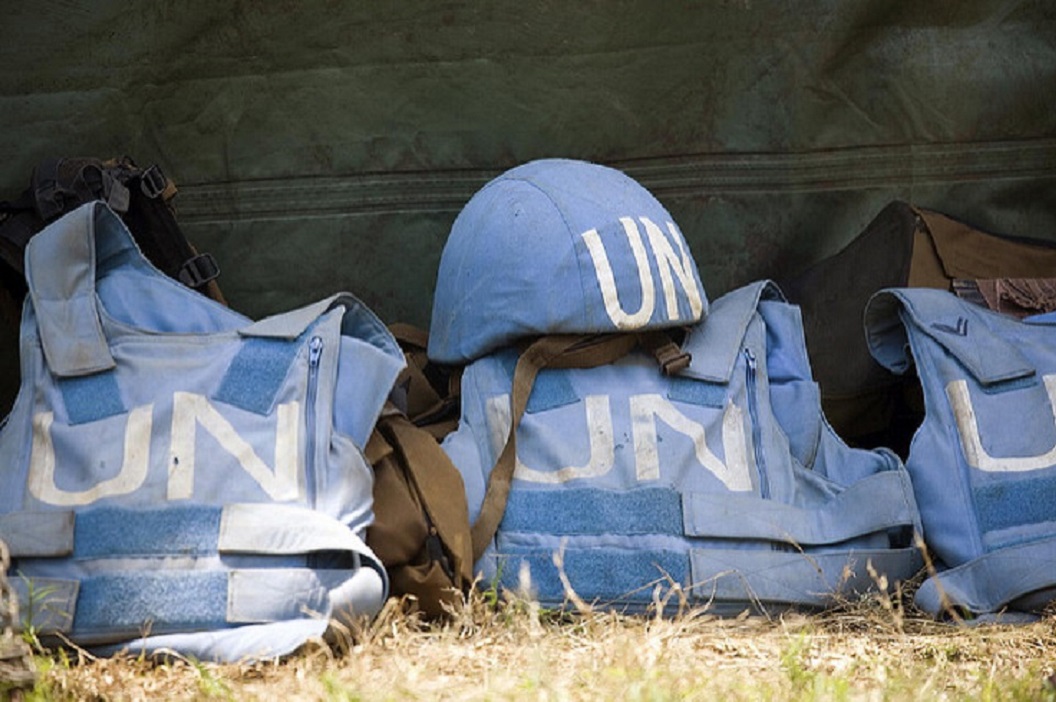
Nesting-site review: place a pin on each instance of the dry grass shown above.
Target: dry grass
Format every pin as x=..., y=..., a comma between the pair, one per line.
x=865, y=650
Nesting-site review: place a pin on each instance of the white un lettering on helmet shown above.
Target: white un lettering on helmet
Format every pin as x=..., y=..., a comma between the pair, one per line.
x=670, y=264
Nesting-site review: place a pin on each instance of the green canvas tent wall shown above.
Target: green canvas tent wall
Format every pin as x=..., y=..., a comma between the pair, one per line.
x=324, y=146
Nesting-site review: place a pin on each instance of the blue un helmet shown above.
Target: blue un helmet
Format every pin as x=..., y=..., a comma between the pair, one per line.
x=558, y=246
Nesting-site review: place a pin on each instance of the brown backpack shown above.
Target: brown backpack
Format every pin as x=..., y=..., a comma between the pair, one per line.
x=421, y=520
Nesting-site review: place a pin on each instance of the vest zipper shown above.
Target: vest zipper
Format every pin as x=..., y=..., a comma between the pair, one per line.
x=315, y=353
x=757, y=430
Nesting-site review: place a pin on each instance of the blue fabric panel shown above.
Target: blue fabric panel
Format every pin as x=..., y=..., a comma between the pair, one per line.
x=988, y=583
x=110, y=532
x=1009, y=385
x=91, y=397
x=61, y=279
x=551, y=389
x=869, y=506
x=1003, y=504
x=257, y=372
x=716, y=344
x=697, y=392
x=45, y=603
x=755, y=575
x=38, y=534
x=597, y=574
x=1046, y=319
x=586, y=511
x=161, y=601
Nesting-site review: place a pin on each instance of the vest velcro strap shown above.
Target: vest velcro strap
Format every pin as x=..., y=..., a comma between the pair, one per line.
x=987, y=584
x=719, y=576
x=850, y=514
x=611, y=576
x=796, y=578
x=119, y=532
x=257, y=372
x=127, y=604
x=89, y=398
x=590, y=511
x=38, y=534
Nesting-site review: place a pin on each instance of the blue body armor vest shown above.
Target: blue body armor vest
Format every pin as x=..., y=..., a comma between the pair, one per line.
x=176, y=476
x=983, y=462
x=723, y=482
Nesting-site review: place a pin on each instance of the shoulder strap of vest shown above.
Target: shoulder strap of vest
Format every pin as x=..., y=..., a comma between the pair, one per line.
x=358, y=321
x=291, y=324
x=60, y=273
x=716, y=342
x=968, y=332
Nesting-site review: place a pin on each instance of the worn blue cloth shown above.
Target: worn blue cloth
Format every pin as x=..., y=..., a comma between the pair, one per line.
x=558, y=246
x=184, y=463
x=644, y=474
x=721, y=481
x=983, y=462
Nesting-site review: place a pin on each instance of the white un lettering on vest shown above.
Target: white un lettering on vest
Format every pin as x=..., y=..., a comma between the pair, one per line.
x=282, y=482
x=647, y=412
x=668, y=262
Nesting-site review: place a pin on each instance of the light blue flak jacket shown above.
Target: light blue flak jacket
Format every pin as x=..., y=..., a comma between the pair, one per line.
x=176, y=476
x=983, y=462
x=722, y=485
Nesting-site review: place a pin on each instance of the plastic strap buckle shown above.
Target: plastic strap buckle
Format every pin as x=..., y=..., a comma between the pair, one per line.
x=49, y=199
x=199, y=270
x=672, y=359
x=153, y=182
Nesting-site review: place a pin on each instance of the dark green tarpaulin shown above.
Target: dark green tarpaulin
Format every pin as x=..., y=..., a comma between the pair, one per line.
x=324, y=146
